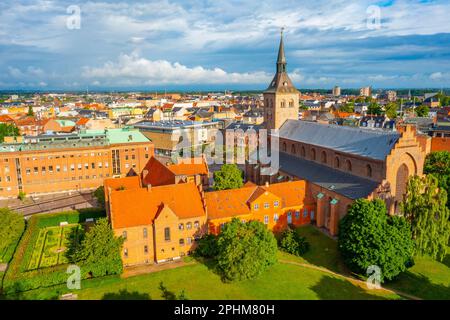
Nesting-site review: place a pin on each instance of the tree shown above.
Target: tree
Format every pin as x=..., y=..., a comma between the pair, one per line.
x=228, y=177
x=438, y=164
x=348, y=107
x=374, y=109
x=99, y=194
x=12, y=225
x=7, y=130
x=391, y=110
x=207, y=246
x=368, y=236
x=425, y=207
x=99, y=251
x=245, y=249
x=291, y=242
x=422, y=111
x=30, y=112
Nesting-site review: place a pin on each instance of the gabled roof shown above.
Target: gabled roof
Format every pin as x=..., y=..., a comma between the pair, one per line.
x=236, y=202
x=160, y=174
x=127, y=183
x=136, y=207
x=368, y=143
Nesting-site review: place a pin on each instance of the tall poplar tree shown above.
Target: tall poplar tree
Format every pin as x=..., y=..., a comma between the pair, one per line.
x=425, y=207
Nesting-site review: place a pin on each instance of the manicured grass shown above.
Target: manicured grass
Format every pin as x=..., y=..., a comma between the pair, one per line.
x=427, y=279
x=323, y=251
x=281, y=281
x=51, y=244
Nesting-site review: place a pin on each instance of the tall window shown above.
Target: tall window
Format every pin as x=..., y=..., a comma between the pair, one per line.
x=266, y=219
x=284, y=147
x=303, y=152
x=145, y=249
x=124, y=234
x=293, y=149
x=181, y=226
x=167, y=234
x=369, y=171
x=324, y=157
x=189, y=225
x=348, y=165
x=337, y=163
x=313, y=154
x=196, y=224
x=145, y=233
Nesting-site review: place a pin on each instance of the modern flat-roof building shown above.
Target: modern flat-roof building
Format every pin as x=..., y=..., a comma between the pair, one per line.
x=55, y=163
x=166, y=135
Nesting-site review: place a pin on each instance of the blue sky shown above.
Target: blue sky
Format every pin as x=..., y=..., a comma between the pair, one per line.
x=223, y=44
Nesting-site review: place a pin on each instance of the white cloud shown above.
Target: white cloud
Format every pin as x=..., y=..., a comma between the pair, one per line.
x=436, y=76
x=133, y=69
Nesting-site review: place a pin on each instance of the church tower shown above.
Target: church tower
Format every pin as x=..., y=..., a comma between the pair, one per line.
x=281, y=98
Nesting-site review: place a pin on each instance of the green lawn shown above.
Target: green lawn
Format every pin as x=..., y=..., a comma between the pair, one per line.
x=51, y=244
x=428, y=279
x=282, y=281
x=323, y=251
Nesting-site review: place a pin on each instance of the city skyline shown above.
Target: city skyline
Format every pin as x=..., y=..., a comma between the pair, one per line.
x=179, y=45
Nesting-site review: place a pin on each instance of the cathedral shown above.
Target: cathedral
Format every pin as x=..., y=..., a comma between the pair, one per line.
x=339, y=164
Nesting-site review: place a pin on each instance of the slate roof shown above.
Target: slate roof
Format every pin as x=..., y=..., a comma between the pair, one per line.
x=348, y=185
x=374, y=144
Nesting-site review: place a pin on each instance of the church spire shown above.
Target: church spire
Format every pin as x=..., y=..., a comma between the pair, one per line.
x=281, y=61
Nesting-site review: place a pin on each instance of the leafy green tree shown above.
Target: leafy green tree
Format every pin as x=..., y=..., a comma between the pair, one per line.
x=12, y=225
x=30, y=112
x=369, y=236
x=99, y=194
x=207, y=246
x=374, y=109
x=438, y=164
x=348, y=107
x=245, y=249
x=228, y=177
x=391, y=110
x=99, y=251
x=425, y=207
x=422, y=111
x=7, y=130
x=291, y=242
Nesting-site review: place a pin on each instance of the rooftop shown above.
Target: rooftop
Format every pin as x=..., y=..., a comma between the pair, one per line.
x=86, y=138
x=374, y=144
x=350, y=186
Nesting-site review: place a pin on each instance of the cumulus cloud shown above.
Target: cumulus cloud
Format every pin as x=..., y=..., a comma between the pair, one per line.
x=132, y=68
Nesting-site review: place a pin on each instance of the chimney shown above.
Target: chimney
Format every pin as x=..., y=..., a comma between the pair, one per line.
x=149, y=187
x=267, y=184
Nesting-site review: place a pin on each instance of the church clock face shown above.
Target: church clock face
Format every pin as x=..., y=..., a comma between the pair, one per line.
x=285, y=84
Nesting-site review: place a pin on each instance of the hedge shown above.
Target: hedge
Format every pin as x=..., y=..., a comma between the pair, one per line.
x=18, y=278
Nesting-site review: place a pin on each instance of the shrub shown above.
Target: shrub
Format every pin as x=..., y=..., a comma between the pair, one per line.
x=18, y=277
x=99, y=194
x=291, y=242
x=22, y=195
x=207, y=246
x=245, y=250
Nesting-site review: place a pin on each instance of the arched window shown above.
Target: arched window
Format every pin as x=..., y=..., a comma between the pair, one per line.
x=337, y=163
x=291, y=104
x=284, y=146
x=283, y=103
x=293, y=149
x=313, y=154
x=369, y=171
x=324, y=157
x=348, y=165
x=303, y=152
